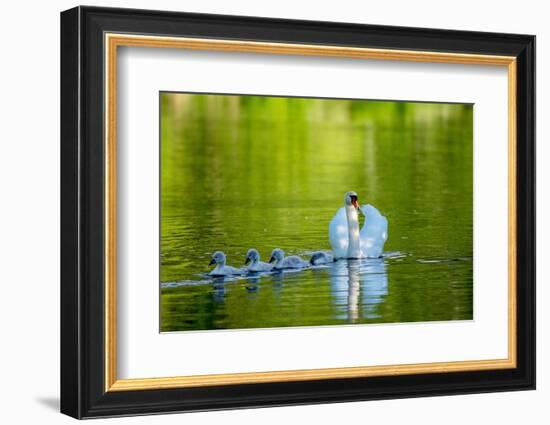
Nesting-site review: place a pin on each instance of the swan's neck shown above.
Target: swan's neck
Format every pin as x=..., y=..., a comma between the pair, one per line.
x=220, y=266
x=354, y=248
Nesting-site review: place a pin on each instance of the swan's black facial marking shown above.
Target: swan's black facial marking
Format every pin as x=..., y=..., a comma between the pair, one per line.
x=212, y=261
x=315, y=257
x=272, y=259
x=247, y=261
x=354, y=201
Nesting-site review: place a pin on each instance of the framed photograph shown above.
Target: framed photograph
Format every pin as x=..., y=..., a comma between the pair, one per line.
x=261, y=212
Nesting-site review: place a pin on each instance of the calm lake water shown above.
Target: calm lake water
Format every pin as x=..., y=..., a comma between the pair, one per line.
x=240, y=172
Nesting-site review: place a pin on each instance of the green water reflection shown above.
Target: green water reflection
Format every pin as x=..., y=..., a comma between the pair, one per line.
x=248, y=171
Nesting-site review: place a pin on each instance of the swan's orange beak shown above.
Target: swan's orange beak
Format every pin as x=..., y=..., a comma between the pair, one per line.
x=354, y=202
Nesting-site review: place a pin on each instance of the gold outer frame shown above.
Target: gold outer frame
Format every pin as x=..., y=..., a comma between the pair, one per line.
x=113, y=41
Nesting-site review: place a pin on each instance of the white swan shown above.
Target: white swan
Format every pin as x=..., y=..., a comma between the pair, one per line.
x=218, y=258
x=321, y=257
x=290, y=262
x=344, y=235
x=253, y=257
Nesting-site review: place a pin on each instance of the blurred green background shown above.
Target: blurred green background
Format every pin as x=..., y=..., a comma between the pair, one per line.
x=253, y=171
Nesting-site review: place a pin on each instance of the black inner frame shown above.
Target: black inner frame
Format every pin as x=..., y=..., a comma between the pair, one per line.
x=82, y=212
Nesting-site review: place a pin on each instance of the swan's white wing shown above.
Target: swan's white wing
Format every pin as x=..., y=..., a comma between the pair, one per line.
x=374, y=232
x=265, y=267
x=234, y=270
x=294, y=262
x=338, y=234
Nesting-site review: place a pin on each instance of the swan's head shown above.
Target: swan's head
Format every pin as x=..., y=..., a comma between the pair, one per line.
x=277, y=255
x=317, y=257
x=218, y=258
x=252, y=256
x=351, y=199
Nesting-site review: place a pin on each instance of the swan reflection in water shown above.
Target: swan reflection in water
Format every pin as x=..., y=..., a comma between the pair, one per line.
x=253, y=285
x=357, y=287
x=219, y=290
